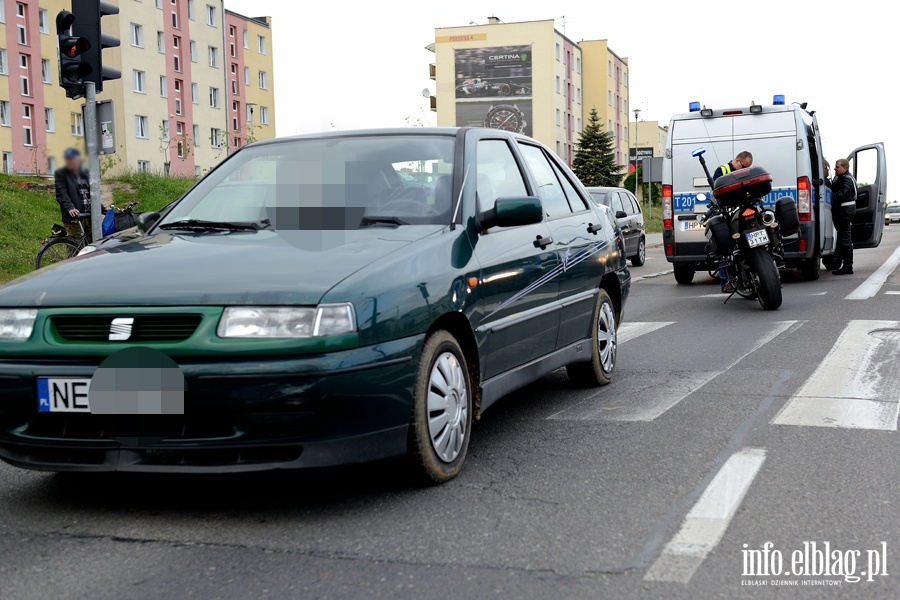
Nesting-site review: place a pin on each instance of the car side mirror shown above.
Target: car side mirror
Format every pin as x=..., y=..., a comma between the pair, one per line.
x=621, y=214
x=513, y=212
x=147, y=220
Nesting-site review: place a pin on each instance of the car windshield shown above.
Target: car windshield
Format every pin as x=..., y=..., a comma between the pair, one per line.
x=894, y=209
x=600, y=198
x=329, y=183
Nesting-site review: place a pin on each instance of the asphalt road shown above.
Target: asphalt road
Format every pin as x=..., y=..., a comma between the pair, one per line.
x=725, y=426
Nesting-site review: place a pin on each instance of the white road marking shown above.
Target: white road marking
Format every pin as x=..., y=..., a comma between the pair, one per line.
x=705, y=524
x=652, y=275
x=856, y=386
x=630, y=331
x=872, y=285
x=659, y=396
x=892, y=293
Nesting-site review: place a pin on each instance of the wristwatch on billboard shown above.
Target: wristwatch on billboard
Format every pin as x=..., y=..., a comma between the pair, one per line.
x=507, y=117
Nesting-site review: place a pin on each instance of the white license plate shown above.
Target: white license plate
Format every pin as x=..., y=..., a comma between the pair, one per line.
x=757, y=238
x=63, y=395
x=691, y=225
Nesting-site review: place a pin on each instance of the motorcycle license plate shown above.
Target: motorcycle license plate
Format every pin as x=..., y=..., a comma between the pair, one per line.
x=757, y=238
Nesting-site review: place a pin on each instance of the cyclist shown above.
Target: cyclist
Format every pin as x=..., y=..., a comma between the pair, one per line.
x=73, y=192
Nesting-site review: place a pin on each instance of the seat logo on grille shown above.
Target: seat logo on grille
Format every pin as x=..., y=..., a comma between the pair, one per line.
x=120, y=329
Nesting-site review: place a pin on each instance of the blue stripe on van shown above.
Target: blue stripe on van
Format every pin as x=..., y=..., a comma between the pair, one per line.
x=685, y=202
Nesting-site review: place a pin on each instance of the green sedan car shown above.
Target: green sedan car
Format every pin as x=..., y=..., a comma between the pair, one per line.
x=314, y=301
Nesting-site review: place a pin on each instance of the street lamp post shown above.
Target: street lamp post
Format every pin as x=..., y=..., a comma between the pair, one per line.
x=637, y=111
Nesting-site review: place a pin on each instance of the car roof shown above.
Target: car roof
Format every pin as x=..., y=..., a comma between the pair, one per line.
x=605, y=190
x=415, y=131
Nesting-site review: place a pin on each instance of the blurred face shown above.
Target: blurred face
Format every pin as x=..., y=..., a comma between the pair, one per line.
x=73, y=164
x=840, y=169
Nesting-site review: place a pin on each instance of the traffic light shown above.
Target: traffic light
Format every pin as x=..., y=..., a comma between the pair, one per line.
x=72, y=68
x=88, y=14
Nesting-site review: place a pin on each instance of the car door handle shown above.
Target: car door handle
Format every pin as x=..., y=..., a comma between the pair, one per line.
x=542, y=242
x=594, y=228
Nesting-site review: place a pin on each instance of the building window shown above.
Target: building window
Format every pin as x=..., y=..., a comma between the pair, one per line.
x=178, y=106
x=625, y=78
x=234, y=89
x=4, y=113
x=233, y=50
x=261, y=44
x=264, y=115
x=211, y=15
x=143, y=166
x=137, y=35
x=177, y=63
x=23, y=61
x=246, y=39
x=609, y=69
x=161, y=42
x=176, y=42
x=195, y=94
x=557, y=118
x=578, y=95
x=29, y=141
x=557, y=84
x=20, y=10
x=26, y=87
x=246, y=75
x=578, y=65
x=8, y=163
x=44, y=20
x=557, y=54
x=164, y=86
x=579, y=125
x=196, y=136
x=263, y=80
x=22, y=36
x=192, y=13
x=193, y=48
x=215, y=138
x=174, y=20
x=214, y=97
x=231, y=31
x=46, y=72
x=4, y=70
x=141, y=127
x=159, y=4
x=609, y=94
x=2, y=11
x=165, y=130
x=198, y=171
x=213, y=57
x=140, y=82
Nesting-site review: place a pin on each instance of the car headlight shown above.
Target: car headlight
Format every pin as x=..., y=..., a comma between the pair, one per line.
x=265, y=322
x=87, y=250
x=17, y=323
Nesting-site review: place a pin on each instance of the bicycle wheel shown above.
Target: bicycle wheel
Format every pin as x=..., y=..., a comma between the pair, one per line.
x=55, y=251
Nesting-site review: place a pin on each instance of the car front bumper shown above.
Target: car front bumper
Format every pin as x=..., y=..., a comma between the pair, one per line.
x=240, y=414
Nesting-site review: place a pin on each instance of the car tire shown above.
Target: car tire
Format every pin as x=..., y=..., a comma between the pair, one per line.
x=810, y=269
x=604, y=345
x=640, y=257
x=684, y=275
x=441, y=421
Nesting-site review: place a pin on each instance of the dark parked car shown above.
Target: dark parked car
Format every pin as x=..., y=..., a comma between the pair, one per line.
x=627, y=211
x=306, y=305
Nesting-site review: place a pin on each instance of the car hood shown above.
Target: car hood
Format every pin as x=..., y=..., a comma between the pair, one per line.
x=184, y=269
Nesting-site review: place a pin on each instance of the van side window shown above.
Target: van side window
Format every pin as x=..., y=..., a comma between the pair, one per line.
x=548, y=187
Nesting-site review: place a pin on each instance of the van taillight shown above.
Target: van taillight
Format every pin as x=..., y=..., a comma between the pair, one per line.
x=667, y=206
x=804, y=201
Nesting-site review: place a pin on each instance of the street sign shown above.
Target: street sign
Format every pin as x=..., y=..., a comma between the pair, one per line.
x=639, y=154
x=106, y=126
x=651, y=169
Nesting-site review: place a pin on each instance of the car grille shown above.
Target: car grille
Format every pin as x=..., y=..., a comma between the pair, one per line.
x=147, y=328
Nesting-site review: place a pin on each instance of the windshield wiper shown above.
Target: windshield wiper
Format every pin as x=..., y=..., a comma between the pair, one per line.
x=372, y=220
x=201, y=225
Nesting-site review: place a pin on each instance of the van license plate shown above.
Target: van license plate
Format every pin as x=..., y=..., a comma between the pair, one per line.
x=691, y=225
x=757, y=238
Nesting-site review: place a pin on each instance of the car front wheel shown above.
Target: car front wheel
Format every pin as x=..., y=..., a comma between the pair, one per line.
x=640, y=257
x=604, y=344
x=442, y=410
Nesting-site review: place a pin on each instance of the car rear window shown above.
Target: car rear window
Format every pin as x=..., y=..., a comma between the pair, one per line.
x=329, y=183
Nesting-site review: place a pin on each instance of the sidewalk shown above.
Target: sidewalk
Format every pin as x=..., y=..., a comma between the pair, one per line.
x=654, y=240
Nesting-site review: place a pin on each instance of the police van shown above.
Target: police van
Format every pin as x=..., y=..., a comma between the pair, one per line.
x=785, y=140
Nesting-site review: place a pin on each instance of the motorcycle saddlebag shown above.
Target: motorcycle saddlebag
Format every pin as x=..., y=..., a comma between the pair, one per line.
x=787, y=216
x=719, y=236
x=739, y=187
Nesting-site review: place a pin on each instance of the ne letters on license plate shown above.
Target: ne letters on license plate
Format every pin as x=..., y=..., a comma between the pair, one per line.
x=63, y=395
x=757, y=238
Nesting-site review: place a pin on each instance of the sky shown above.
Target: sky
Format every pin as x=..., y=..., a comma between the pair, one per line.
x=355, y=63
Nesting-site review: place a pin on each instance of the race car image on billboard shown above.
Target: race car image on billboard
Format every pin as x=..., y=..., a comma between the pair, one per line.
x=496, y=72
x=477, y=87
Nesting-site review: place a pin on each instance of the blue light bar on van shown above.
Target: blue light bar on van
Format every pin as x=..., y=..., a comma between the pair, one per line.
x=694, y=106
x=778, y=99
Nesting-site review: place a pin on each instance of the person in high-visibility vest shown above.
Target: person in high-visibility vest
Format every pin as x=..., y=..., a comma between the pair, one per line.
x=743, y=160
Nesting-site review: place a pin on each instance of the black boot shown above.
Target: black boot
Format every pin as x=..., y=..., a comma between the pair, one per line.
x=845, y=270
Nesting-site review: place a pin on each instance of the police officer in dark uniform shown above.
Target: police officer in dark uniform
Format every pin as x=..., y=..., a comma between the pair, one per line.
x=743, y=160
x=843, y=209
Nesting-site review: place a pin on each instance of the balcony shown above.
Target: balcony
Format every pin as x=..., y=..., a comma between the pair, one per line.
x=432, y=71
x=433, y=103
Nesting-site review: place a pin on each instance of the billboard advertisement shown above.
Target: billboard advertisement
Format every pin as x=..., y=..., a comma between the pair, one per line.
x=493, y=88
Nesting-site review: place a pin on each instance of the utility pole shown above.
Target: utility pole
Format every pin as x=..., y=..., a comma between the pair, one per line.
x=91, y=137
x=637, y=111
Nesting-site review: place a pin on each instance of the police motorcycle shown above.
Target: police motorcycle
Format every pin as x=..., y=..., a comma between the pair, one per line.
x=744, y=238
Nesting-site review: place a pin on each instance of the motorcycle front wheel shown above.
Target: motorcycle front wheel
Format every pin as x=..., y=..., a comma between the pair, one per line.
x=768, y=283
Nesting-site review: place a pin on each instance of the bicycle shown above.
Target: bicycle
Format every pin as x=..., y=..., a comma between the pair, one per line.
x=61, y=246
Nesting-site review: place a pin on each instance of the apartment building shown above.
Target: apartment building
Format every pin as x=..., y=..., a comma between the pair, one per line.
x=532, y=78
x=193, y=76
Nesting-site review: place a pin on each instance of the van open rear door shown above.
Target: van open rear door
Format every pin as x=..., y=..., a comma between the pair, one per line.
x=869, y=168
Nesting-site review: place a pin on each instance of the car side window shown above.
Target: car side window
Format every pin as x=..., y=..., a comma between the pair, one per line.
x=617, y=203
x=576, y=202
x=635, y=208
x=498, y=173
x=548, y=187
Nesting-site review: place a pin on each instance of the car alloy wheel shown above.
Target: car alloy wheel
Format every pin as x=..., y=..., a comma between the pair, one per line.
x=640, y=258
x=607, y=340
x=604, y=345
x=448, y=407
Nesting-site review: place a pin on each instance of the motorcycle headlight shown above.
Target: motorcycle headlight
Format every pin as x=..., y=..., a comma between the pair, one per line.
x=17, y=323
x=265, y=322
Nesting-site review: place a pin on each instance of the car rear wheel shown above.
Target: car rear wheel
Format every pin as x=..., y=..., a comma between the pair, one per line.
x=442, y=410
x=809, y=269
x=640, y=258
x=604, y=344
x=684, y=275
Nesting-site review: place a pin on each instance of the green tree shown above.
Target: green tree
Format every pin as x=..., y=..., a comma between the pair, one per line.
x=595, y=157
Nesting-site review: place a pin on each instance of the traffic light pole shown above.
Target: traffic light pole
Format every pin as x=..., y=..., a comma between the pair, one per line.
x=92, y=135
